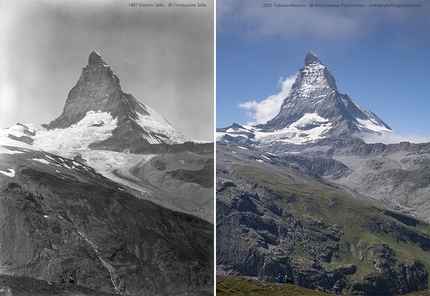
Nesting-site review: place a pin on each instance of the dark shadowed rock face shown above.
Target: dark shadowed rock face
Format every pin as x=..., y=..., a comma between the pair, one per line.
x=96, y=59
x=98, y=89
x=64, y=219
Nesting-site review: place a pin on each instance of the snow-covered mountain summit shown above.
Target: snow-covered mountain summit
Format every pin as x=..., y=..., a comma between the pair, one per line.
x=98, y=94
x=313, y=110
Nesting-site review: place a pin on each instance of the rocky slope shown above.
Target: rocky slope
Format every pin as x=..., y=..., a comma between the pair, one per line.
x=60, y=218
x=275, y=215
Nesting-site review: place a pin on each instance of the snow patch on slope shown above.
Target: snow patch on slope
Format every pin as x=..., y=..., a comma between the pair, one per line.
x=369, y=122
x=308, y=129
x=18, y=130
x=393, y=138
x=371, y=125
x=4, y=150
x=9, y=173
x=6, y=141
x=41, y=160
x=156, y=123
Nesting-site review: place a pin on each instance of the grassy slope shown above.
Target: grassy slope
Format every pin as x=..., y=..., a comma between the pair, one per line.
x=239, y=285
x=322, y=201
x=420, y=293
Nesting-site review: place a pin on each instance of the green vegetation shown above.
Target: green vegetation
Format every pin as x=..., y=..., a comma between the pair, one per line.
x=362, y=223
x=239, y=285
x=420, y=293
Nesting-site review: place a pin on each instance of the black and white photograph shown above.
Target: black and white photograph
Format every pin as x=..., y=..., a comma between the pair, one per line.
x=106, y=147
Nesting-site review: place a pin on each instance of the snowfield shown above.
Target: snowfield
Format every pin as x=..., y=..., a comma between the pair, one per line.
x=308, y=129
x=94, y=127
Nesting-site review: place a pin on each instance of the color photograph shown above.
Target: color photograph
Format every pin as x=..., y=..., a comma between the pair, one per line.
x=322, y=116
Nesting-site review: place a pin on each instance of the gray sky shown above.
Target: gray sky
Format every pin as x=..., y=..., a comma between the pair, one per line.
x=163, y=56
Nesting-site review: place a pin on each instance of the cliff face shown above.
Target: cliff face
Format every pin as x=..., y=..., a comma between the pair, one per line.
x=60, y=218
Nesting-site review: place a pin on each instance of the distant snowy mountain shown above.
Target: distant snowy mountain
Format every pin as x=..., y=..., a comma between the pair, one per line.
x=314, y=110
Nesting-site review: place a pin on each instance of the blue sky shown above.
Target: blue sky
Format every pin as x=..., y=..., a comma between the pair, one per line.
x=379, y=56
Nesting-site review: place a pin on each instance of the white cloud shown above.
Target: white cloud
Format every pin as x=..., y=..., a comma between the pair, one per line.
x=252, y=20
x=265, y=110
x=394, y=138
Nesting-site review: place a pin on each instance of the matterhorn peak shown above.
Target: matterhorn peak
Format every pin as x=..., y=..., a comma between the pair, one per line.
x=96, y=59
x=312, y=58
x=312, y=111
x=315, y=92
x=97, y=99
